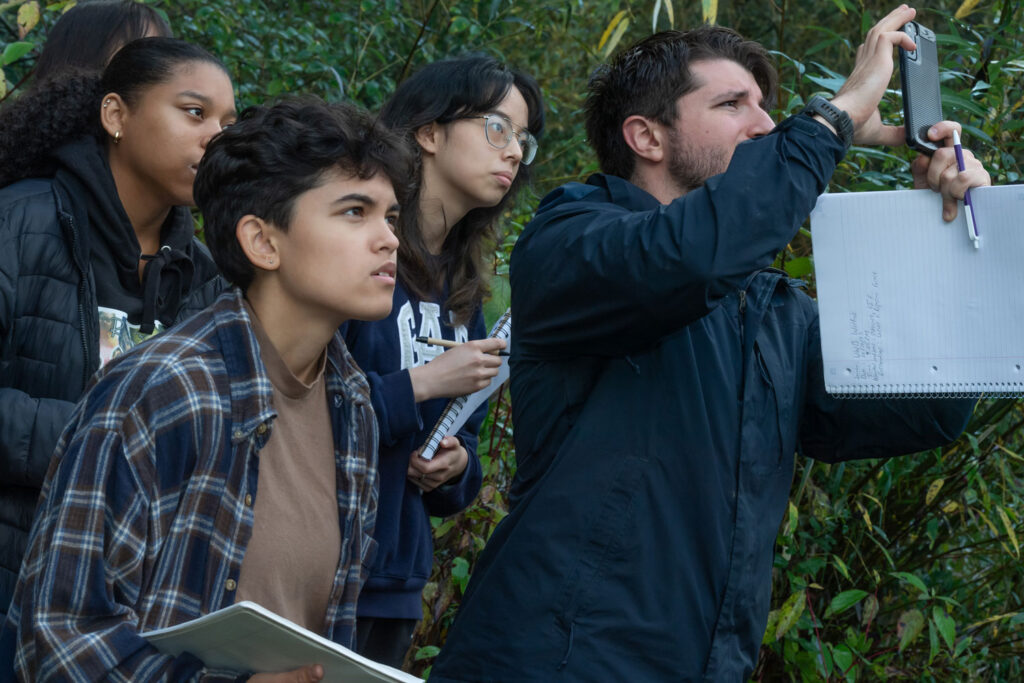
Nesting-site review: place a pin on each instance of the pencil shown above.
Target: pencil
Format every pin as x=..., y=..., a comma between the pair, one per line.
x=451, y=344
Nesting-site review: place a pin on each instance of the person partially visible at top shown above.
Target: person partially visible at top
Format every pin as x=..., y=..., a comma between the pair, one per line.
x=473, y=123
x=88, y=35
x=96, y=174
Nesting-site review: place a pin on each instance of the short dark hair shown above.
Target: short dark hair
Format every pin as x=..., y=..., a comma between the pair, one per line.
x=648, y=78
x=273, y=154
x=87, y=35
x=443, y=92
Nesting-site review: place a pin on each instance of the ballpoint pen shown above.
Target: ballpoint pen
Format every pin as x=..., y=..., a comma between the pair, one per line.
x=972, y=226
x=452, y=344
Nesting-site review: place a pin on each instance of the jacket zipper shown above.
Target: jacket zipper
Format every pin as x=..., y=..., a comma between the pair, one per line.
x=743, y=360
x=83, y=282
x=743, y=311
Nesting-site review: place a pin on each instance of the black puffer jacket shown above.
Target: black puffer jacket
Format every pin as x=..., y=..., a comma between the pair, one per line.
x=49, y=330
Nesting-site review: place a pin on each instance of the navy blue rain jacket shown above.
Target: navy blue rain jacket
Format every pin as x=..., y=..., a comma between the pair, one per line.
x=662, y=380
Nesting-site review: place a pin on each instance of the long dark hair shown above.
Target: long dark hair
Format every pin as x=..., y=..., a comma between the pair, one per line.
x=67, y=107
x=87, y=35
x=444, y=92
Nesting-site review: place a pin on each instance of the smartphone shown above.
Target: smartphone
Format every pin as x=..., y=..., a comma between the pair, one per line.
x=919, y=80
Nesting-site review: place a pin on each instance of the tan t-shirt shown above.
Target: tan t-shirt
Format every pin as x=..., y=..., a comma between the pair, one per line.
x=292, y=557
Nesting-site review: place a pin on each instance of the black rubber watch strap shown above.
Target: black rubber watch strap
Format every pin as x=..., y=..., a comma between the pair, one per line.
x=836, y=117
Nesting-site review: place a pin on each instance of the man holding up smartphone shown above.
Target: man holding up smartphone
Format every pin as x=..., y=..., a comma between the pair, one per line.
x=919, y=81
x=663, y=375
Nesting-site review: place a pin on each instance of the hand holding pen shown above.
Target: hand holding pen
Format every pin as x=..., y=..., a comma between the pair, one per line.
x=942, y=171
x=972, y=226
x=462, y=369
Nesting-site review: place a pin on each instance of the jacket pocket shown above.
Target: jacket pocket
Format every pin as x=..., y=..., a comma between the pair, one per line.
x=601, y=543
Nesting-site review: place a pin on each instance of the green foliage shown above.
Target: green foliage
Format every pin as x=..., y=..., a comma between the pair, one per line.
x=906, y=569
x=889, y=551
x=910, y=567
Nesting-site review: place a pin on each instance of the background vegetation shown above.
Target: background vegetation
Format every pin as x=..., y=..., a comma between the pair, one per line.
x=907, y=569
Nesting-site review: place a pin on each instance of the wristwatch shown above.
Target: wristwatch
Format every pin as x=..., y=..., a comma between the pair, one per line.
x=836, y=117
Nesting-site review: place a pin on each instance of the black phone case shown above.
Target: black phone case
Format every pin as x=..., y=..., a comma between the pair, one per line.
x=919, y=80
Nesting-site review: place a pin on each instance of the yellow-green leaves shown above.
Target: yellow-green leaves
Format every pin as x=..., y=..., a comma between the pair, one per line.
x=28, y=17
x=1007, y=525
x=909, y=627
x=613, y=33
x=669, y=12
x=1009, y=530
x=790, y=612
x=870, y=610
x=966, y=8
x=709, y=11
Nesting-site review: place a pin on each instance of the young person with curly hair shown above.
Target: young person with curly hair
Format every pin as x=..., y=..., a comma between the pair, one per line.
x=474, y=124
x=233, y=457
x=99, y=250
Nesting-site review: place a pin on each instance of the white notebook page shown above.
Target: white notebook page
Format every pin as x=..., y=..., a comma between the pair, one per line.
x=908, y=306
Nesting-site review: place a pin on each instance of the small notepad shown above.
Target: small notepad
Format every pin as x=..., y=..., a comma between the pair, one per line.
x=908, y=306
x=459, y=409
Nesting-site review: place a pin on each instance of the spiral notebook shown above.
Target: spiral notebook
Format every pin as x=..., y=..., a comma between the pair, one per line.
x=908, y=306
x=246, y=637
x=459, y=409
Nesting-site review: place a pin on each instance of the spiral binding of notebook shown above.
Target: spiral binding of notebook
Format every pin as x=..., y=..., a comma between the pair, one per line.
x=459, y=409
x=977, y=390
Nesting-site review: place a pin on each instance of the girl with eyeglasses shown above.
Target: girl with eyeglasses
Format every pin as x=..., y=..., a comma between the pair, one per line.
x=474, y=124
x=97, y=245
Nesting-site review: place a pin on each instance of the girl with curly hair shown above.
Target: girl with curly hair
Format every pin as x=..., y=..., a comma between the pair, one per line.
x=474, y=124
x=98, y=242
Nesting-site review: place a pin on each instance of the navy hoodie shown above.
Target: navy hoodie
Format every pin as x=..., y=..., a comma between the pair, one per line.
x=385, y=350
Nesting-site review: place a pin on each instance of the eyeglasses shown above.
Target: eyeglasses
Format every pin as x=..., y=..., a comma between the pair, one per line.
x=500, y=131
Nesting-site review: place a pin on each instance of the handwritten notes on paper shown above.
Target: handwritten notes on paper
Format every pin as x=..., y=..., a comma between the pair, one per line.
x=866, y=341
x=908, y=306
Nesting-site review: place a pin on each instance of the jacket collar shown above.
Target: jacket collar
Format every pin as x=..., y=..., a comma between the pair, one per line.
x=84, y=174
x=624, y=193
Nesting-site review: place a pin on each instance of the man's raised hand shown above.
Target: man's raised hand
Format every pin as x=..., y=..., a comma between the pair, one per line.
x=860, y=95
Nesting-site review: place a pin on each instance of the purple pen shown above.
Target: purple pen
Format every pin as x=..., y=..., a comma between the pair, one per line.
x=972, y=226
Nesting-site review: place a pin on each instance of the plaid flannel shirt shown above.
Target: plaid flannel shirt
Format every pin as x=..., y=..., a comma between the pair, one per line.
x=147, y=506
